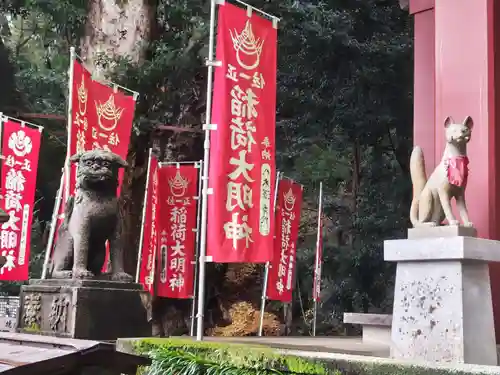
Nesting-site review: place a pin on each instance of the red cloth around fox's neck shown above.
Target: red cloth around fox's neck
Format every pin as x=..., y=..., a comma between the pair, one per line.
x=457, y=170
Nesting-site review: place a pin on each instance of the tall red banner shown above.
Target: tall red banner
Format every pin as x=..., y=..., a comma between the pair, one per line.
x=242, y=166
x=318, y=265
x=81, y=107
x=150, y=228
x=111, y=120
x=177, y=227
x=101, y=118
x=282, y=268
x=20, y=150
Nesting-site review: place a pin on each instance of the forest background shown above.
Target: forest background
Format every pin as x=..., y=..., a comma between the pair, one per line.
x=344, y=118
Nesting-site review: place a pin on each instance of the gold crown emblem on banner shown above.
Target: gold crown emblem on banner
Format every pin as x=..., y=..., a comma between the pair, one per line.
x=289, y=199
x=178, y=185
x=82, y=96
x=247, y=44
x=109, y=112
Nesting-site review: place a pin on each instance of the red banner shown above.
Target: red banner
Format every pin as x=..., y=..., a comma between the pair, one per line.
x=318, y=264
x=111, y=118
x=101, y=119
x=242, y=166
x=20, y=149
x=177, y=228
x=81, y=106
x=282, y=268
x=150, y=230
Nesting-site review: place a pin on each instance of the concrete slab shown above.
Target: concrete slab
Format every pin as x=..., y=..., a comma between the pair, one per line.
x=442, y=248
x=442, y=231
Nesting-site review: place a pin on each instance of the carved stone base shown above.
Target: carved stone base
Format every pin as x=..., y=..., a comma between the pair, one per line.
x=83, y=309
x=442, y=301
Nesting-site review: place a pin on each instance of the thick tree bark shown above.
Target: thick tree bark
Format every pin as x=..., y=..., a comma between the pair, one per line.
x=117, y=29
x=122, y=29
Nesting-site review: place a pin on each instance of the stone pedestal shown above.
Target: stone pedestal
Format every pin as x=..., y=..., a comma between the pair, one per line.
x=83, y=309
x=442, y=301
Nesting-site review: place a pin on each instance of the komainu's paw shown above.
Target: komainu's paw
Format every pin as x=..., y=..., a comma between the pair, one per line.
x=468, y=224
x=453, y=222
x=122, y=276
x=62, y=274
x=82, y=273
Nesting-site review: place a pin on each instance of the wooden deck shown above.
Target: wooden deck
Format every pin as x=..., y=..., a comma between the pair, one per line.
x=24, y=354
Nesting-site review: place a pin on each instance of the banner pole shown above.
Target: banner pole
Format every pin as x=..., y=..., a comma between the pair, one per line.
x=197, y=255
x=53, y=225
x=318, y=261
x=144, y=205
x=64, y=184
x=67, y=164
x=206, y=160
x=266, y=271
x=4, y=216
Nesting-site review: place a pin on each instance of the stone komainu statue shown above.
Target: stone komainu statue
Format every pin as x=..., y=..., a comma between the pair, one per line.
x=92, y=216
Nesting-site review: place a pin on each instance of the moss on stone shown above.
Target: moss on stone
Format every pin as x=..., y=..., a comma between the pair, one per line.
x=367, y=367
x=33, y=328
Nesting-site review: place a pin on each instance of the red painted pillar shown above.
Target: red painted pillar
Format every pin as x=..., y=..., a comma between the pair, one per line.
x=423, y=110
x=465, y=86
x=457, y=71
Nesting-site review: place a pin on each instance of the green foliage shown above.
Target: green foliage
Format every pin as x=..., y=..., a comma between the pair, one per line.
x=190, y=357
x=344, y=117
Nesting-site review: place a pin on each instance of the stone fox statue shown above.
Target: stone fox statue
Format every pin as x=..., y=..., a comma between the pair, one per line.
x=91, y=217
x=432, y=198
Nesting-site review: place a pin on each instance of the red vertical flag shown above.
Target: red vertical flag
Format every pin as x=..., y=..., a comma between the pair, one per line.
x=101, y=117
x=242, y=166
x=150, y=228
x=20, y=149
x=80, y=130
x=81, y=101
x=110, y=120
x=318, y=264
x=177, y=228
x=282, y=268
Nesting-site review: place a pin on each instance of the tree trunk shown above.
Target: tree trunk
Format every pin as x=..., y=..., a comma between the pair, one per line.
x=122, y=29
x=117, y=29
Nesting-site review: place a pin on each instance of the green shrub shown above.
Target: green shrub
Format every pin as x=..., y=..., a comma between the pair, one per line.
x=188, y=357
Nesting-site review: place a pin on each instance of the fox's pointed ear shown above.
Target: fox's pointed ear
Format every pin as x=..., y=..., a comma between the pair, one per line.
x=75, y=158
x=468, y=122
x=449, y=120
